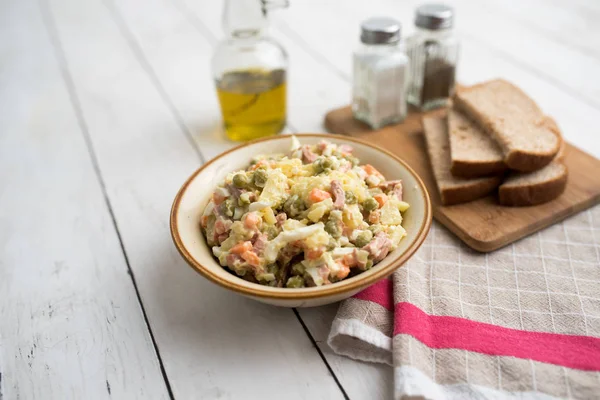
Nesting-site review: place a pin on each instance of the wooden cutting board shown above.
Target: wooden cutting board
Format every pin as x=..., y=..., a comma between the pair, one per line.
x=483, y=224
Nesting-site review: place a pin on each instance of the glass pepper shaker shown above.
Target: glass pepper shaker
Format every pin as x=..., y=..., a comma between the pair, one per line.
x=433, y=53
x=379, y=74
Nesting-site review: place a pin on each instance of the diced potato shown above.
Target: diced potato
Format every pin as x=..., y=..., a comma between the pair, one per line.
x=274, y=191
x=396, y=233
x=320, y=238
x=318, y=210
x=352, y=216
x=268, y=216
x=291, y=224
x=390, y=214
x=403, y=206
x=292, y=167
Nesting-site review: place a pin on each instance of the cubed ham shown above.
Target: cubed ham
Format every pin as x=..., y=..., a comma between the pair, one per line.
x=324, y=273
x=222, y=237
x=233, y=260
x=259, y=242
x=345, y=167
x=379, y=247
x=338, y=194
x=222, y=225
x=288, y=252
x=234, y=191
x=387, y=185
x=281, y=217
x=398, y=190
x=308, y=156
x=345, y=149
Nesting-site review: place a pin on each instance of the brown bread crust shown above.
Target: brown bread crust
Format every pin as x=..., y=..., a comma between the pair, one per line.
x=457, y=195
x=525, y=161
x=529, y=195
x=465, y=169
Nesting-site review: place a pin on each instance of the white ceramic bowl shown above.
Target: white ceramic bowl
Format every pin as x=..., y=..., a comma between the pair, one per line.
x=197, y=190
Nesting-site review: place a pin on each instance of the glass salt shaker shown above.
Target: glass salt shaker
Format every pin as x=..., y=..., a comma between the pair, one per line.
x=380, y=74
x=433, y=54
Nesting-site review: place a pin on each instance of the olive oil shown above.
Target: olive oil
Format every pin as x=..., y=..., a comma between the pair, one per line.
x=253, y=103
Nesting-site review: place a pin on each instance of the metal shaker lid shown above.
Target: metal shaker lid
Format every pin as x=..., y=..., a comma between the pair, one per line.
x=380, y=30
x=434, y=16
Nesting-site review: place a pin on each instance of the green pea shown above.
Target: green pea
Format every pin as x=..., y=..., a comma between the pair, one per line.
x=272, y=268
x=350, y=197
x=318, y=166
x=327, y=163
x=240, y=181
x=294, y=205
x=295, y=282
x=299, y=204
x=370, y=204
x=335, y=215
x=369, y=264
x=289, y=205
x=228, y=207
x=333, y=228
x=260, y=178
x=298, y=269
x=272, y=232
x=244, y=199
x=353, y=160
x=332, y=244
x=363, y=239
x=375, y=229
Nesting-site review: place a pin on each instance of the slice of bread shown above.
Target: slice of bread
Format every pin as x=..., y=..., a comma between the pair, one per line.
x=474, y=153
x=528, y=189
x=513, y=120
x=452, y=190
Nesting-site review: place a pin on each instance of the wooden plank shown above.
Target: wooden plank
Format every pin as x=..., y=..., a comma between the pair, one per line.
x=213, y=343
x=71, y=322
x=561, y=22
x=482, y=224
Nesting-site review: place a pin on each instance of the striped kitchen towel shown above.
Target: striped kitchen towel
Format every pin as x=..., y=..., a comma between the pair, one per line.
x=522, y=322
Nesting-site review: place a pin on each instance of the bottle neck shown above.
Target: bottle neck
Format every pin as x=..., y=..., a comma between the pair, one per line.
x=244, y=19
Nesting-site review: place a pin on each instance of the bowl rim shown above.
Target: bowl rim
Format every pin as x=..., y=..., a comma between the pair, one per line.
x=300, y=293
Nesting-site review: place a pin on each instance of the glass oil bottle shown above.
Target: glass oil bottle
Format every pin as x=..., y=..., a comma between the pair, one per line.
x=249, y=69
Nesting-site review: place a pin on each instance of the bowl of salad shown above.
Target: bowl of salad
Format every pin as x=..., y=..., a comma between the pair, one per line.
x=300, y=221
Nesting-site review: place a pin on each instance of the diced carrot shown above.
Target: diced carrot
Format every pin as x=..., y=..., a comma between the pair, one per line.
x=251, y=220
x=241, y=248
x=343, y=271
x=350, y=260
x=204, y=221
x=374, y=216
x=371, y=170
x=316, y=195
x=258, y=165
x=313, y=254
x=381, y=199
x=251, y=258
x=218, y=198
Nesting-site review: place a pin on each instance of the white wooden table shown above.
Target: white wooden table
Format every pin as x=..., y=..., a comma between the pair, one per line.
x=106, y=106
